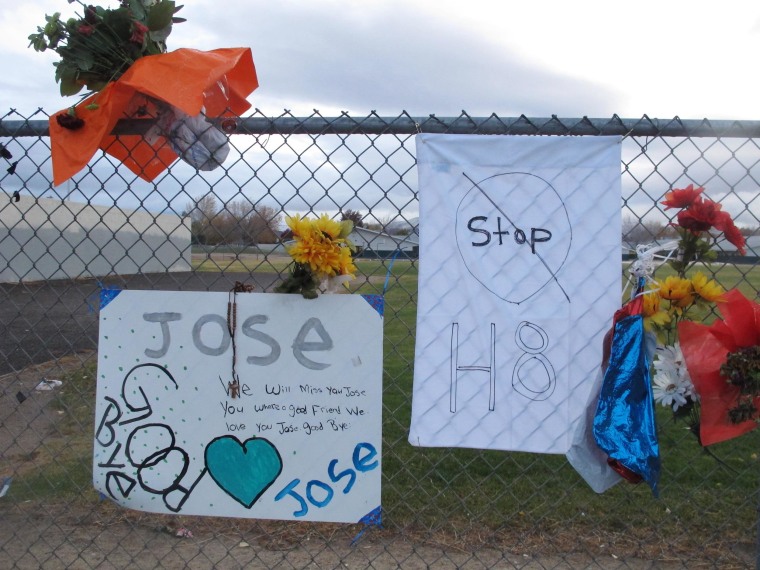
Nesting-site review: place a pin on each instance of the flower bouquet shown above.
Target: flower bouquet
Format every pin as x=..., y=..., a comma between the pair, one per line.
x=321, y=255
x=119, y=55
x=674, y=303
x=99, y=45
x=656, y=352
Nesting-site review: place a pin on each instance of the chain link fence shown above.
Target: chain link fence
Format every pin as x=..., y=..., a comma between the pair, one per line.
x=187, y=230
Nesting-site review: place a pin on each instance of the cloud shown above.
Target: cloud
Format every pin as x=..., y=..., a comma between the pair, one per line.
x=387, y=58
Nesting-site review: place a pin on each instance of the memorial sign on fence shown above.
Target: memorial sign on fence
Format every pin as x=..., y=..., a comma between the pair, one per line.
x=519, y=276
x=292, y=430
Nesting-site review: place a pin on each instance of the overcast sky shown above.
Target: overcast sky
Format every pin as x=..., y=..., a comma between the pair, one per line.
x=664, y=58
x=693, y=59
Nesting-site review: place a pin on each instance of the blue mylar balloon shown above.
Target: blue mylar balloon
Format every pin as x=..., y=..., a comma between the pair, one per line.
x=624, y=424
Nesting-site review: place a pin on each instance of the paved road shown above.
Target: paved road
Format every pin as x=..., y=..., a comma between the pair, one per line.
x=47, y=320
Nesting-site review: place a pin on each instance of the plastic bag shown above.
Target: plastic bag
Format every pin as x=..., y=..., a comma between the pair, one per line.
x=194, y=139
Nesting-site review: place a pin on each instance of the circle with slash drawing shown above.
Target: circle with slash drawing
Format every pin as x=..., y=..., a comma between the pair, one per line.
x=513, y=233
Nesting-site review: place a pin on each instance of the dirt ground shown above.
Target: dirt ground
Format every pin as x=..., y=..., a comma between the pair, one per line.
x=106, y=536
x=103, y=541
x=91, y=533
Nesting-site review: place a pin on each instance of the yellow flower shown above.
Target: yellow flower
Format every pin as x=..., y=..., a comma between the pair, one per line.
x=653, y=315
x=322, y=245
x=346, y=266
x=651, y=303
x=329, y=228
x=322, y=256
x=684, y=302
x=676, y=289
x=709, y=290
x=300, y=227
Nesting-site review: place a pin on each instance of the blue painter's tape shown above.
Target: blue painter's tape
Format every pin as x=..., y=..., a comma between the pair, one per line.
x=372, y=518
x=5, y=485
x=377, y=302
x=107, y=294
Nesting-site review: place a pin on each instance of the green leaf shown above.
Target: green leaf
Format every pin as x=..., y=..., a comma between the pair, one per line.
x=119, y=23
x=160, y=35
x=138, y=10
x=93, y=81
x=70, y=86
x=63, y=69
x=160, y=15
x=84, y=60
x=153, y=48
x=346, y=227
x=37, y=41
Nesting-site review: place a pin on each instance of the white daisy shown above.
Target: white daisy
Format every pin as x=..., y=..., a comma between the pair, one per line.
x=669, y=390
x=670, y=359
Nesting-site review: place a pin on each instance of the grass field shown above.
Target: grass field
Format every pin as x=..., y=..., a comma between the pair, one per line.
x=707, y=499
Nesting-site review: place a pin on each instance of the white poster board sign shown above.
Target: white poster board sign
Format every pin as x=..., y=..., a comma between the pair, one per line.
x=520, y=253
x=298, y=437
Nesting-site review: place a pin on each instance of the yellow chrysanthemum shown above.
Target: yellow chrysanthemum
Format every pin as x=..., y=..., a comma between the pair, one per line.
x=709, y=290
x=660, y=318
x=684, y=302
x=651, y=303
x=321, y=245
x=328, y=228
x=322, y=256
x=676, y=289
x=301, y=227
x=347, y=266
x=653, y=315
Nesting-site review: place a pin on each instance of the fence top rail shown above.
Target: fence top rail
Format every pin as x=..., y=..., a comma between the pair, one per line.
x=405, y=124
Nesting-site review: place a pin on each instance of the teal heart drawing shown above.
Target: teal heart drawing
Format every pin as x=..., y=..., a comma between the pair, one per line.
x=243, y=470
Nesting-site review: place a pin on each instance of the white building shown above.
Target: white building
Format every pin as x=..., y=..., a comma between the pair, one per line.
x=49, y=238
x=383, y=244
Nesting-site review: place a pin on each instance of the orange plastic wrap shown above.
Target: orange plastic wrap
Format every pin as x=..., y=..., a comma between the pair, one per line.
x=219, y=81
x=705, y=348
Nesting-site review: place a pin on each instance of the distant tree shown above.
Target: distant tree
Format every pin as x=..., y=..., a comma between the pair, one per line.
x=262, y=225
x=355, y=216
x=239, y=222
x=381, y=224
x=245, y=223
x=202, y=212
x=636, y=231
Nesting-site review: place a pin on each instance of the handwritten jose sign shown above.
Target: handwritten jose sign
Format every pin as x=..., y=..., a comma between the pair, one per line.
x=298, y=436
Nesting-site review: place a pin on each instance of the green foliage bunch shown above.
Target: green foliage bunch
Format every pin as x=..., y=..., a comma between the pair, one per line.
x=99, y=45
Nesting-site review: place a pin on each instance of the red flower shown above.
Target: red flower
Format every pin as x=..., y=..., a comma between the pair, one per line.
x=69, y=121
x=725, y=224
x=700, y=216
x=138, y=33
x=91, y=15
x=705, y=349
x=682, y=198
x=86, y=29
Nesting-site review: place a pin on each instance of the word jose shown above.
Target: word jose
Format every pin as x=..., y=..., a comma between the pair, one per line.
x=218, y=323
x=318, y=493
x=537, y=235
